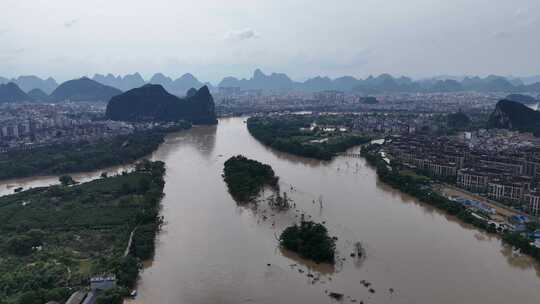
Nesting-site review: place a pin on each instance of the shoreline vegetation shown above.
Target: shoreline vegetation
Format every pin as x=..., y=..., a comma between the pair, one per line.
x=81, y=157
x=319, y=137
x=420, y=189
x=245, y=178
x=310, y=240
x=54, y=239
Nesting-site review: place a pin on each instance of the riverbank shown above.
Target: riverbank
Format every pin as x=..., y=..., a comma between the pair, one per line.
x=421, y=189
x=319, y=137
x=55, y=238
x=83, y=157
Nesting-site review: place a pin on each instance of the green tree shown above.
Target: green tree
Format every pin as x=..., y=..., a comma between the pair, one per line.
x=66, y=180
x=20, y=245
x=30, y=297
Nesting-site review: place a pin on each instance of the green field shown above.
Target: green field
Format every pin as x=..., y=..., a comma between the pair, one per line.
x=54, y=238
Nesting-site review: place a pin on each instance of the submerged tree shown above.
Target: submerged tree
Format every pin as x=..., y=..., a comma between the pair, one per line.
x=310, y=240
x=66, y=180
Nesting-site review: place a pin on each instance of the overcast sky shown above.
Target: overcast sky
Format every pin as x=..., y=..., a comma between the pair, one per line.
x=304, y=38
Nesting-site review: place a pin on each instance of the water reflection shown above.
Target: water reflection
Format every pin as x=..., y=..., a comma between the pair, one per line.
x=307, y=267
x=296, y=159
x=519, y=260
x=200, y=138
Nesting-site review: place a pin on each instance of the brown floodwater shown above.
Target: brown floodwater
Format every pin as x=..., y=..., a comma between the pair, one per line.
x=213, y=251
x=9, y=186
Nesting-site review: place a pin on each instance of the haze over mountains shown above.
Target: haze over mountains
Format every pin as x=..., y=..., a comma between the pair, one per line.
x=30, y=82
x=123, y=83
x=83, y=89
x=10, y=92
x=38, y=95
x=383, y=83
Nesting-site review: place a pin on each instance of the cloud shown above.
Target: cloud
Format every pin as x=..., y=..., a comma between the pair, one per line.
x=12, y=51
x=502, y=35
x=243, y=34
x=71, y=23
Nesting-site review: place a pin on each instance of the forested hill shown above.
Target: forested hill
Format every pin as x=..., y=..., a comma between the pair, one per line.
x=153, y=103
x=83, y=89
x=515, y=116
x=10, y=92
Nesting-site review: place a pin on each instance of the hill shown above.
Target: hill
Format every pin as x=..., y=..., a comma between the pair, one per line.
x=10, y=92
x=525, y=99
x=83, y=89
x=259, y=80
x=124, y=83
x=30, y=82
x=38, y=95
x=152, y=102
x=515, y=116
x=179, y=86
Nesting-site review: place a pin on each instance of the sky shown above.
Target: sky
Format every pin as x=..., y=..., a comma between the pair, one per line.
x=303, y=38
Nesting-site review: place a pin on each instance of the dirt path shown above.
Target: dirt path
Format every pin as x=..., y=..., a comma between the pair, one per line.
x=502, y=210
x=129, y=242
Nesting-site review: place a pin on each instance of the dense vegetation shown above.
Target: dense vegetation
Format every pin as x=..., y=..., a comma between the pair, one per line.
x=310, y=240
x=78, y=157
x=292, y=134
x=420, y=188
x=245, y=177
x=54, y=238
x=154, y=103
x=458, y=121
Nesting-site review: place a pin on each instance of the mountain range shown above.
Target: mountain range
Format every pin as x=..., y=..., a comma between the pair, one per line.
x=383, y=83
x=152, y=102
x=123, y=83
x=178, y=86
x=83, y=89
x=27, y=83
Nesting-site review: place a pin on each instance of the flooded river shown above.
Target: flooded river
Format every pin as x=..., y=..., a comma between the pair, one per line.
x=213, y=251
